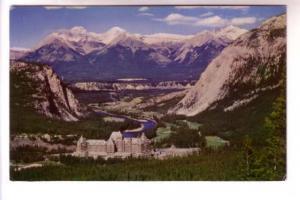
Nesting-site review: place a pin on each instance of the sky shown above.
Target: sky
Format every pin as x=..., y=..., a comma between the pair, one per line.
x=30, y=24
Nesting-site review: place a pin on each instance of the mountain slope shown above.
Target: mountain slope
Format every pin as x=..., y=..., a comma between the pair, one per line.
x=251, y=64
x=53, y=52
x=36, y=87
x=65, y=46
x=76, y=38
x=212, y=42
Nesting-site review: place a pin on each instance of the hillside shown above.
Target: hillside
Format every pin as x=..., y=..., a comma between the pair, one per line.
x=249, y=66
x=37, y=87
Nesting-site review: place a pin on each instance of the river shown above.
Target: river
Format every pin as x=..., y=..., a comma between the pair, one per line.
x=145, y=124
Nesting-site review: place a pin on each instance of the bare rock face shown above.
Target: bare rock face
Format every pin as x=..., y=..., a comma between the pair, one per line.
x=50, y=96
x=254, y=60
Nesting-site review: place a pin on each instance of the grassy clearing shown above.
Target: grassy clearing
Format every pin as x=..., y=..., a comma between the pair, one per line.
x=191, y=125
x=162, y=133
x=215, y=142
x=113, y=119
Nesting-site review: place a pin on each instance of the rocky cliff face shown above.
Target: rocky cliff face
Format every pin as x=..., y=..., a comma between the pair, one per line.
x=251, y=64
x=47, y=95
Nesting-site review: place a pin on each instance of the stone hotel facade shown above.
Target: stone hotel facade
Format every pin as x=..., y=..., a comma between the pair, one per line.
x=116, y=145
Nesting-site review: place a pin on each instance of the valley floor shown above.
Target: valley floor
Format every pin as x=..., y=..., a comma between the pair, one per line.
x=231, y=149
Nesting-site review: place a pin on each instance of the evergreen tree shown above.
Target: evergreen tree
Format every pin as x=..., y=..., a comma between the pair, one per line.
x=269, y=162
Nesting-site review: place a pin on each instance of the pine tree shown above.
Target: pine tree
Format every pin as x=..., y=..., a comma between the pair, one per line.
x=275, y=128
x=268, y=163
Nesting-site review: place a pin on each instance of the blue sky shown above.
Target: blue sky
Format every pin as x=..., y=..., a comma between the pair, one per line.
x=29, y=24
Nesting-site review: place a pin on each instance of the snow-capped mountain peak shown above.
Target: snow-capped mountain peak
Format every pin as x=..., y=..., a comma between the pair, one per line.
x=162, y=50
x=231, y=32
x=113, y=35
x=78, y=30
x=197, y=41
x=115, y=30
x=77, y=39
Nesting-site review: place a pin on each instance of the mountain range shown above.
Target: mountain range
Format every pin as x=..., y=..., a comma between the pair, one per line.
x=77, y=55
x=237, y=65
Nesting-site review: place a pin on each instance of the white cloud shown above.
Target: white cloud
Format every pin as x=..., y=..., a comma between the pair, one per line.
x=205, y=20
x=187, y=7
x=243, y=20
x=206, y=14
x=226, y=7
x=75, y=7
x=236, y=7
x=66, y=7
x=145, y=14
x=53, y=7
x=176, y=18
x=143, y=9
x=214, y=7
x=211, y=21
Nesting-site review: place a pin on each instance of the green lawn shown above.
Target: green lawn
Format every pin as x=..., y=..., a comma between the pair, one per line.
x=215, y=142
x=162, y=133
x=191, y=125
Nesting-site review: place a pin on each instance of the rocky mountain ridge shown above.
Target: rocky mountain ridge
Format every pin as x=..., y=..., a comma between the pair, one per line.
x=48, y=95
x=256, y=60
